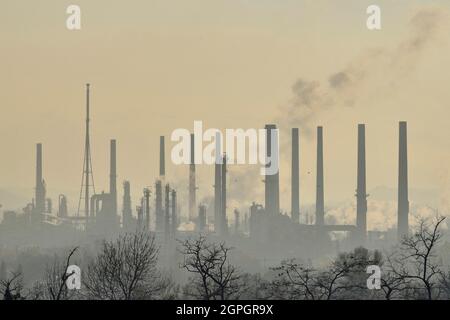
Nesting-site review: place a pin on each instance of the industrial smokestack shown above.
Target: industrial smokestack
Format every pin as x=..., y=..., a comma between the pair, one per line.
x=147, y=208
x=38, y=165
x=218, y=186
x=162, y=161
x=40, y=184
x=320, y=207
x=272, y=181
x=174, y=214
x=113, y=178
x=403, y=202
x=158, y=206
x=361, y=196
x=167, y=214
x=127, y=216
x=192, y=186
x=295, y=188
x=140, y=215
x=224, y=220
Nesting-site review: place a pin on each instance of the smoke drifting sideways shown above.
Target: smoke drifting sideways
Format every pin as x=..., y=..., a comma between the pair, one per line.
x=377, y=70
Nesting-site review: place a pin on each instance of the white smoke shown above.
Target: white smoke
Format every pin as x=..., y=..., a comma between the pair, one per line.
x=381, y=215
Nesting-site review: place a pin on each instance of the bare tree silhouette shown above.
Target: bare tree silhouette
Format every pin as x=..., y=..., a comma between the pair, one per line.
x=344, y=274
x=12, y=286
x=56, y=278
x=416, y=264
x=214, y=277
x=53, y=286
x=125, y=269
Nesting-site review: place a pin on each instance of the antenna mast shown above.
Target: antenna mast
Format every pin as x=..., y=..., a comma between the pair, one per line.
x=87, y=179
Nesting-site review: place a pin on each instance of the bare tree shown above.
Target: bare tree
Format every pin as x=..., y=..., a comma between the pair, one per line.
x=344, y=274
x=53, y=285
x=125, y=269
x=416, y=265
x=12, y=286
x=294, y=281
x=56, y=278
x=214, y=277
x=392, y=286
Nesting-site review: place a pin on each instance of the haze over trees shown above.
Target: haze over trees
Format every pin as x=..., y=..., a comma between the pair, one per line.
x=130, y=267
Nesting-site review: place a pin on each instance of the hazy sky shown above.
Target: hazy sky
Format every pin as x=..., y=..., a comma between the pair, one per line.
x=159, y=65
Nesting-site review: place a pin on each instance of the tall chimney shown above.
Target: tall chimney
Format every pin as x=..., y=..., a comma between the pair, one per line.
x=403, y=202
x=224, y=220
x=147, y=208
x=218, y=186
x=167, y=214
x=174, y=214
x=40, y=184
x=38, y=166
x=113, y=178
x=127, y=215
x=162, y=161
x=295, y=188
x=361, y=196
x=272, y=184
x=159, y=206
x=320, y=207
x=192, y=187
x=140, y=215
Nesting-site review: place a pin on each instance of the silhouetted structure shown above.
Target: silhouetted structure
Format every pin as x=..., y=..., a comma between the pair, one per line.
x=113, y=176
x=272, y=181
x=361, y=196
x=192, y=183
x=159, y=207
x=104, y=206
x=147, y=207
x=258, y=223
x=140, y=215
x=40, y=189
x=268, y=229
x=167, y=214
x=218, y=186
x=162, y=161
x=87, y=180
x=403, y=202
x=62, y=206
x=295, y=188
x=174, y=214
x=320, y=206
x=127, y=215
x=223, y=198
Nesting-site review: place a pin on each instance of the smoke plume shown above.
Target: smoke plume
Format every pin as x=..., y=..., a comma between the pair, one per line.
x=376, y=72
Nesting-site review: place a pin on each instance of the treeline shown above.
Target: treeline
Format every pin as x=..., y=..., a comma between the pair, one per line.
x=127, y=269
